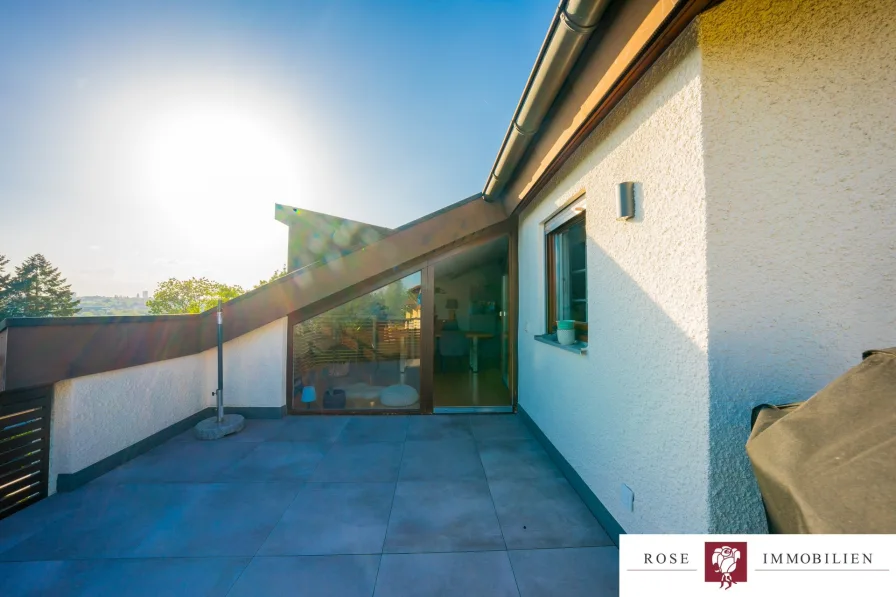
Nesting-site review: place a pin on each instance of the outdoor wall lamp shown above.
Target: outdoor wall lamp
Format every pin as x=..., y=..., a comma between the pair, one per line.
x=625, y=200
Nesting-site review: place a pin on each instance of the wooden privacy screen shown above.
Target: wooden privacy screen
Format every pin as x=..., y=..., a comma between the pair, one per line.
x=24, y=448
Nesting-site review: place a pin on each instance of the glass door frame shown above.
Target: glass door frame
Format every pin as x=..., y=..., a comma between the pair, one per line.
x=426, y=267
x=427, y=352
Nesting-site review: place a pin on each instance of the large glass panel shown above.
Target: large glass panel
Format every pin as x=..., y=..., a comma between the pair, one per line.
x=362, y=355
x=472, y=329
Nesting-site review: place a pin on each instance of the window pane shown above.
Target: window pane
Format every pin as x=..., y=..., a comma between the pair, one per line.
x=571, y=272
x=362, y=355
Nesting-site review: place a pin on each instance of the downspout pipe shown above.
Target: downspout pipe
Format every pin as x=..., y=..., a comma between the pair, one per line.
x=573, y=24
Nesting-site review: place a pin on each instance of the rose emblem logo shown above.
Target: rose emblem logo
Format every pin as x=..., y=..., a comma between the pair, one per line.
x=726, y=563
x=725, y=559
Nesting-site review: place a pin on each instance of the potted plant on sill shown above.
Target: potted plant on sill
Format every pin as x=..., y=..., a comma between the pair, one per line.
x=566, y=332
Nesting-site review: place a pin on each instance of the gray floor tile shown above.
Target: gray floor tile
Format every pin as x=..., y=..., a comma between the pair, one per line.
x=382, y=428
x=179, y=462
x=333, y=518
x=516, y=459
x=228, y=519
x=498, y=427
x=375, y=462
x=544, y=513
x=579, y=572
x=162, y=520
x=167, y=519
x=276, y=461
x=436, y=516
x=108, y=521
x=121, y=577
x=438, y=427
x=471, y=574
x=33, y=519
x=310, y=428
x=308, y=576
x=450, y=459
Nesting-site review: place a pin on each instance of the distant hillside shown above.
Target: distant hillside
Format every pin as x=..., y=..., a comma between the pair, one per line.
x=92, y=306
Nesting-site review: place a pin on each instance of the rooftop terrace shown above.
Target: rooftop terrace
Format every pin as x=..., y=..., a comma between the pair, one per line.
x=345, y=506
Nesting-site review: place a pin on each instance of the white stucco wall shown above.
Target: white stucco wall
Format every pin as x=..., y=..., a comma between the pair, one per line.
x=96, y=416
x=799, y=124
x=634, y=410
x=254, y=367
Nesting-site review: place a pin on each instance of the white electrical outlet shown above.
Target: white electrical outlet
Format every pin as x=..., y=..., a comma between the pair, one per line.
x=627, y=498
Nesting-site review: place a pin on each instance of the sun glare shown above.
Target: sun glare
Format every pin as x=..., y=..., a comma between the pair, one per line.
x=216, y=156
x=208, y=168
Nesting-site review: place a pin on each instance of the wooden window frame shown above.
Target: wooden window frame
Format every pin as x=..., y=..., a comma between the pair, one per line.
x=558, y=224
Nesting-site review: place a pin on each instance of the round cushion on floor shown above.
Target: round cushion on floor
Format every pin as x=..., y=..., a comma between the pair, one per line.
x=399, y=395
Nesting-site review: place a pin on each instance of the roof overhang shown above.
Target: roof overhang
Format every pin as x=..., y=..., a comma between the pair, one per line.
x=629, y=37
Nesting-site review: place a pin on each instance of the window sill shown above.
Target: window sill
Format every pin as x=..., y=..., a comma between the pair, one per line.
x=577, y=347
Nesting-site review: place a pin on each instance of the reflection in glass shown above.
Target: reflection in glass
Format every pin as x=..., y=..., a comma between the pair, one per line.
x=362, y=355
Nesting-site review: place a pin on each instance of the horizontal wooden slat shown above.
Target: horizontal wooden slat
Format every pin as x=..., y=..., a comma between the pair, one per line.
x=24, y=415
x=21, y=500
x=26, y=428
x=13, y=483
x=22, y=466
x=10, y=407
x=18, y=488
x=20, y=445
x=26, y=500
x=24, y=447
x=26, y=438
x=10, y=455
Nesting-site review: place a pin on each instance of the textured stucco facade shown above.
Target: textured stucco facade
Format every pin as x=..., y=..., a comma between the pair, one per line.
x=799, y=124
x=254, y=367
x=759, y=266
x=634, y=409
x=96, y=416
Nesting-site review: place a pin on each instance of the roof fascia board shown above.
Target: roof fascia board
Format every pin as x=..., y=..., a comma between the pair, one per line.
x=631, y=37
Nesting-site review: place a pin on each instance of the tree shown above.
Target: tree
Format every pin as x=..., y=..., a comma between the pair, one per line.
x=5, y=280
x=38, y=290
x=189, y=296
x=278, y=273
x=396, y=299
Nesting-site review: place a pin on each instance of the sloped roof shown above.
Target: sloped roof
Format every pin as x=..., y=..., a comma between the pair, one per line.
x=292, y=216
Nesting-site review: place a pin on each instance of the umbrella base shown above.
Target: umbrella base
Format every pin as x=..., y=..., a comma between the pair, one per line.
x=210, y=428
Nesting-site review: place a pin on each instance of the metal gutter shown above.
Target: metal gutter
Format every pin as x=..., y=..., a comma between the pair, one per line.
x=570, y=29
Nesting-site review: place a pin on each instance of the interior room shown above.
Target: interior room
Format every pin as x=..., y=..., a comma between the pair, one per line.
x=471, y=328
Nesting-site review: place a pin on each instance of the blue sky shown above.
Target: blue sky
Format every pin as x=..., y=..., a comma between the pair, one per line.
x=141, y=141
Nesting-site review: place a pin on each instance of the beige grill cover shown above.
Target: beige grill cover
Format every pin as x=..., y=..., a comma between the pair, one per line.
x=828, y=465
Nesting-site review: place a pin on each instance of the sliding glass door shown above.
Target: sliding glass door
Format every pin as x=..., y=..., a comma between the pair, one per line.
x=472, y=329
